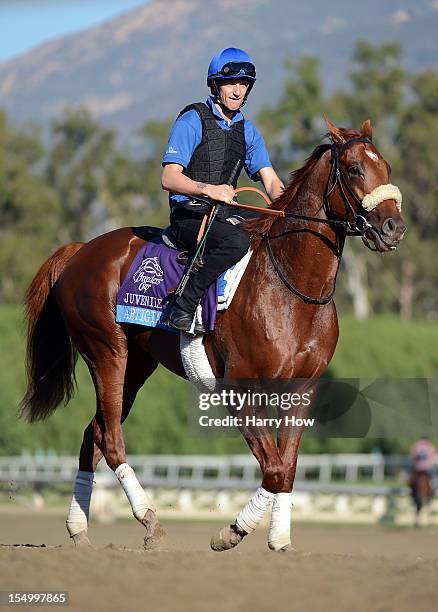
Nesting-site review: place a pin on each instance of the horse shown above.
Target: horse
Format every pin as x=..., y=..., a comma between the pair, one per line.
x=282, y=324
x=420, y=483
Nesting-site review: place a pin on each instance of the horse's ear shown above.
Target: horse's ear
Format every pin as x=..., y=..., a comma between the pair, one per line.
x=366, y=129
x=334, y=132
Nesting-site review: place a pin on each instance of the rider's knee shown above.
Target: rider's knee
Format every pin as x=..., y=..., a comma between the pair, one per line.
x=238, y=244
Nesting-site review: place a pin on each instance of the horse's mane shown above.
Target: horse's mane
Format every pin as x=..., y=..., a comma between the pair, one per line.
x=261, y=226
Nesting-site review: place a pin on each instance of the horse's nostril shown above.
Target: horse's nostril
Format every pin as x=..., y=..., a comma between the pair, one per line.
x=389, y=227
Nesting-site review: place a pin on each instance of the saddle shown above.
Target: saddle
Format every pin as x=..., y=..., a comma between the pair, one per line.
x=155, y=273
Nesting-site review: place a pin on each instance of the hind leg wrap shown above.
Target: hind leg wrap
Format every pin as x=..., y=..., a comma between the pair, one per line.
x=77, y=519
x=140, y=502
x=251, y=515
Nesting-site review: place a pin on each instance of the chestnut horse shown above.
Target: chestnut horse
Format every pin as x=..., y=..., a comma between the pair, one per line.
x=282, y=324
x=420, y=483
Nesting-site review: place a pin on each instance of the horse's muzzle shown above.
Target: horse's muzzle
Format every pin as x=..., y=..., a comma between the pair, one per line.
x=388, y=235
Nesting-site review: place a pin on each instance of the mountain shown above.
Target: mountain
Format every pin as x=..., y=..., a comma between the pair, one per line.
x=151, y=61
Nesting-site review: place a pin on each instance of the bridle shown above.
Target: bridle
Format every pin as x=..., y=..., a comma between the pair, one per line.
x=359, y=224
x=355, y=223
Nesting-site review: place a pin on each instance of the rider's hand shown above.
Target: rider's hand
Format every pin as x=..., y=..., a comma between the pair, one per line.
x=221, y=193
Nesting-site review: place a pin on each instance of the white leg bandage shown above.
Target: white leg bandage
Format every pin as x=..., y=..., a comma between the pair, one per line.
x=140, y=502
x=77, y=519
x=279, y=528
x=253, y=512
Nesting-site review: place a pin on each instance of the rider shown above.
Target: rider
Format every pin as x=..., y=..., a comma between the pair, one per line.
x=204, y=145
x=423, y=456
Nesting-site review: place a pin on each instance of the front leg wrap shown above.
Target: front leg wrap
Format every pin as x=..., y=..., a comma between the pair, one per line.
x=251, y=515
x=279, y=528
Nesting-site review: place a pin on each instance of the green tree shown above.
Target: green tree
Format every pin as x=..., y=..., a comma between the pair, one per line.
x=417, y=140
x=78, y=167
x=378, y=84
x=134, y=190
x=403, y=109
x=293, y=127
x=155, y=134
x=29, y=210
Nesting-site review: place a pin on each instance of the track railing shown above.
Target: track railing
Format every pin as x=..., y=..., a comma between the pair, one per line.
x=367, y=473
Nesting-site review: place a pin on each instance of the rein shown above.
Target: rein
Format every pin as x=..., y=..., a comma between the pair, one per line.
x=357, y=226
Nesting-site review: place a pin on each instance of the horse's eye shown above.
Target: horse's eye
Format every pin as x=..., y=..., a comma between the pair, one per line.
x=354, y=171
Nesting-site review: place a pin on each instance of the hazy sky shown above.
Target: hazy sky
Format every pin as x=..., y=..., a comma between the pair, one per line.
x=26, y=23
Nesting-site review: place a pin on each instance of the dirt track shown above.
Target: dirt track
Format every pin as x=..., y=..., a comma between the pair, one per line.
x=335, y=568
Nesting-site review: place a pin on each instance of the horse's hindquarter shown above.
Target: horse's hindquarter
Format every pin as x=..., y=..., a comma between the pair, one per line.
x=86, y=294
x=87, y=288
x=270, y=333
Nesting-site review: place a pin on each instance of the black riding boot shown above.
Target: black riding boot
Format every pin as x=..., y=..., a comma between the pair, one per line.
x=182, y=320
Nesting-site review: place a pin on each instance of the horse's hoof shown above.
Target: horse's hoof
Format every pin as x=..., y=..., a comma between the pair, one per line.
x=155, y=540
x=81, y=539
x=287, y=548
x=225, y=539
x=155, y=534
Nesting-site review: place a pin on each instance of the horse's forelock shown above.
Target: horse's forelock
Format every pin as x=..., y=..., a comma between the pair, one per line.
x=347, y=134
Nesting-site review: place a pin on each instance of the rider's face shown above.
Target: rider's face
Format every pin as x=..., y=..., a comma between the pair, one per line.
x=232, y=93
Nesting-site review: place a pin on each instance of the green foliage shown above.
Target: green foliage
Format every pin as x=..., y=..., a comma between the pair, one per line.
x=155, y=134
x=380, y=347
x=301, y=100
x=385, y=347
x=377, y=83
x=77, y=168
x=404, y=111
x=29, y=210
x=81, y=187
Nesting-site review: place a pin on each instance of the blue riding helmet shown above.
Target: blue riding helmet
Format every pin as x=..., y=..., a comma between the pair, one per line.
x=231, y=63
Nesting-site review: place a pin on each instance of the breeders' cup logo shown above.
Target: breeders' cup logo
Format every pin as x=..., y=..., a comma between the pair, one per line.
x=149, y=273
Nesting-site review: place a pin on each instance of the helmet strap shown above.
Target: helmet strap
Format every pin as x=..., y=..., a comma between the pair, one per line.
x=215, y=89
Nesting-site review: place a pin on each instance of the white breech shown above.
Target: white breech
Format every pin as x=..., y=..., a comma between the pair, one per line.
x=77, y=519
x=140, y=502
x=279, y=528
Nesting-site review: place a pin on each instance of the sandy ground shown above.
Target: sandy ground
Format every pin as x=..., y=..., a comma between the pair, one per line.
x=334, y=568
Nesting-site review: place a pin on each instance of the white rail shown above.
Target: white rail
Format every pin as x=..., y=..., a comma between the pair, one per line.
x=330, y=473
x=328, y=487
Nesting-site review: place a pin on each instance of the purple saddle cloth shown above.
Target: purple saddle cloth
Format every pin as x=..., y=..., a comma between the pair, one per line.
x=154, y=273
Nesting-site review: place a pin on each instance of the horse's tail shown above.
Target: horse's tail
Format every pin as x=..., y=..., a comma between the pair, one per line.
x=51, y=357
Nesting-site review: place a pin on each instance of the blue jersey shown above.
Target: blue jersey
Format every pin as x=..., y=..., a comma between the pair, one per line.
x=186, y=135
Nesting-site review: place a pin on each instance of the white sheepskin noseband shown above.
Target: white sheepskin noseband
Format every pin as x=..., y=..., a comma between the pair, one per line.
x=380, y=194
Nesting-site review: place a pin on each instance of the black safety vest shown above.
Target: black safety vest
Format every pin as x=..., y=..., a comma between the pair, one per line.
x=215, y=157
